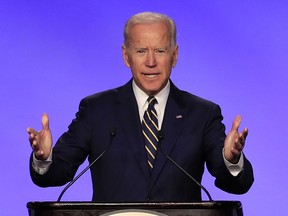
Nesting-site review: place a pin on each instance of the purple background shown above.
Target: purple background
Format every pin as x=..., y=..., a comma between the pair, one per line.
x=53, y=53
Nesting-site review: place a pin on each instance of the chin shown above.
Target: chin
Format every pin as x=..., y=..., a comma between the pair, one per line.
x=153, y=91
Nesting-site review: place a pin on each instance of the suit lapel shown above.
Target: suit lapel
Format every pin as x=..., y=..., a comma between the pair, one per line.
x=127, y=111
x=172, y=125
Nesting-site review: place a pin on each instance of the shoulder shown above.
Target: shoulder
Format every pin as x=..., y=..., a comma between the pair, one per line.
x=109, y=96
x=187, y=99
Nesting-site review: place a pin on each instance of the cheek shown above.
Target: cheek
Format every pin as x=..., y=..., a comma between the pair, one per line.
x=168, y=65
x=136, y=64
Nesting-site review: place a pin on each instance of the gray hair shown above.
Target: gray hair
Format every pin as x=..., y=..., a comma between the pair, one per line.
x=150, y=17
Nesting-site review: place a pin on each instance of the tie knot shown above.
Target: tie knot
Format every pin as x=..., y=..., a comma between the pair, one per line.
x=151, y=100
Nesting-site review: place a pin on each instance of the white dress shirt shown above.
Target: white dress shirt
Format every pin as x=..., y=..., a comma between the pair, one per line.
x=161, y=97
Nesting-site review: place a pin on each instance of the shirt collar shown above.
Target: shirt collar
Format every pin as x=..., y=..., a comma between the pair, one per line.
x=141, y=96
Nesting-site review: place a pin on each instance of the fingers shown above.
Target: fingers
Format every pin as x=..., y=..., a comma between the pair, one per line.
x=243, y=135
x=240, y=140
x=41, y=141
x=32, y=134
x=239, y=137
x=45, y=121
x=236, y=123
x=32, y=137
x=235, y=141
x=31, y=131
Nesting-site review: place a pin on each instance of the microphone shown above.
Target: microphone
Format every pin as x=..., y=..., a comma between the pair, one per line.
x=112, y=134
x=160, y=138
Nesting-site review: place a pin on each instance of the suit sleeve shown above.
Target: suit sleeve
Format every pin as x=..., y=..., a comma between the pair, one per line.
x=214, y=143
x=69, y=152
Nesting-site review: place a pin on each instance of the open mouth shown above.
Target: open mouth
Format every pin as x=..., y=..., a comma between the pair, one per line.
x=150, y=75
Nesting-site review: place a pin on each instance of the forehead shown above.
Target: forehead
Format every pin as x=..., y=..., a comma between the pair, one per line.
x=150, y=33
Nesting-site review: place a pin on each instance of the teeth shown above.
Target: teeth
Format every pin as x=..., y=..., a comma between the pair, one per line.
x=150, y=76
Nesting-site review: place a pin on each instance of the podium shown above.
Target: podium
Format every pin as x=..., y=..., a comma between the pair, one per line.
x=219, y=208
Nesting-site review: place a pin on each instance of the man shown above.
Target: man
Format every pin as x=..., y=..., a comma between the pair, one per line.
x=113, y=123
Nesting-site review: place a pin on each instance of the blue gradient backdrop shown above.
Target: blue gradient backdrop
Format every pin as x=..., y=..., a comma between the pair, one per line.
x=53, y=53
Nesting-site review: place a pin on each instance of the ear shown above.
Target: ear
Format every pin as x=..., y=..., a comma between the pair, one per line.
x=175, y=56
x=125, y=56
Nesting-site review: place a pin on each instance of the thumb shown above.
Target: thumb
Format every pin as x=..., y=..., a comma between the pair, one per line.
x=236, y=123
x=45, y=121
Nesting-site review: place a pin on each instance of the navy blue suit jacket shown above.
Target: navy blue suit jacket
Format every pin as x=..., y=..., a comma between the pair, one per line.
x=193, y=136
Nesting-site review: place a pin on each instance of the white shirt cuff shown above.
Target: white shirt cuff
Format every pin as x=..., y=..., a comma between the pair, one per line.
x=41, y=167
x=234, y=169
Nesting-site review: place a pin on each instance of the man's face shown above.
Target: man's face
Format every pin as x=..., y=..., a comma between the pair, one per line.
x=150, y=56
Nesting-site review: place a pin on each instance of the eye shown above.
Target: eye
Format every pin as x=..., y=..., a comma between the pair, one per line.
x=141, y=51
x=160, y=51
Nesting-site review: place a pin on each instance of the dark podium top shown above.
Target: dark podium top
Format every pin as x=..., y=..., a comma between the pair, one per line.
x=219, y=208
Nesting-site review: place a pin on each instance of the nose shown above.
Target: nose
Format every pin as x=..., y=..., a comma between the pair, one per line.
x=151, y=59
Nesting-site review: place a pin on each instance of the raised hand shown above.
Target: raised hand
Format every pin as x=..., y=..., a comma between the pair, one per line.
x=41, y=142
x=235, y=142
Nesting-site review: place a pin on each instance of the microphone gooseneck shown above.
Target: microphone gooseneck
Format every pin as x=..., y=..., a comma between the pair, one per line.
x=112, y=134
x=161, y=137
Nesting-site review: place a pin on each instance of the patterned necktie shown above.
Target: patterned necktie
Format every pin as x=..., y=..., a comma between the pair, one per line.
x=150, y=130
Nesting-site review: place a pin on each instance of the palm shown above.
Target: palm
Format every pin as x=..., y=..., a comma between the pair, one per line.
x=41, y=142
x=235, y=141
